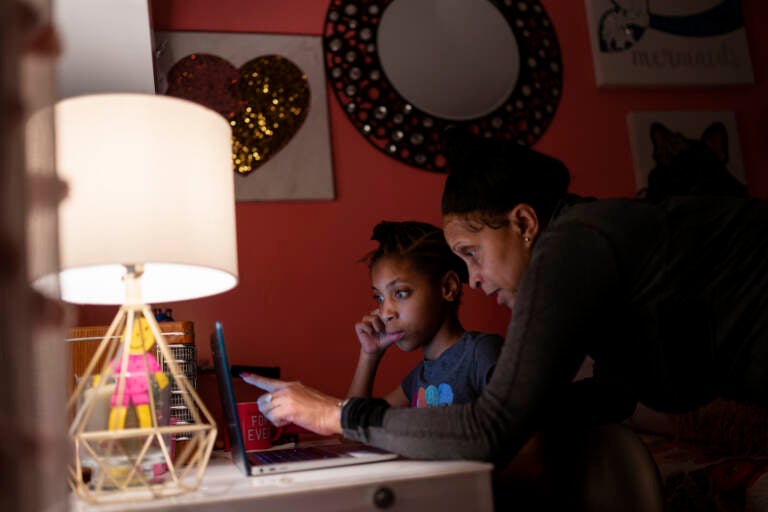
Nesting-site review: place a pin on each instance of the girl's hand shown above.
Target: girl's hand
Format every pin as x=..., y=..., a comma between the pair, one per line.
x=292, y=402
x=371, y=333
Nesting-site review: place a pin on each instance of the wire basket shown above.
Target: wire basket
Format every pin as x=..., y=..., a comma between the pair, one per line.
x=184, y=356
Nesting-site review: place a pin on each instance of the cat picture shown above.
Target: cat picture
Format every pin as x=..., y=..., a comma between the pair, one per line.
x=690, y=166
x=678, y=153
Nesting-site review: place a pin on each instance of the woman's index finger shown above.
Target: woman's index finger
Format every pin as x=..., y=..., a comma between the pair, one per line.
x=264, y=383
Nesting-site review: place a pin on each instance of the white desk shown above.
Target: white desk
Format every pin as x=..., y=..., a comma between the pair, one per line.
x=417, y=486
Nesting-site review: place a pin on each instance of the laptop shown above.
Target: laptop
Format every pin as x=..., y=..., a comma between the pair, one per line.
x=280, y=460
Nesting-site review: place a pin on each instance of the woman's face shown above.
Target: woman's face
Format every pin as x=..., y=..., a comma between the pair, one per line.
x=496, y=258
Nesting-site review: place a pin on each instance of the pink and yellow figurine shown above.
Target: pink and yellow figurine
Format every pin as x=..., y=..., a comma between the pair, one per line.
x=140, y=366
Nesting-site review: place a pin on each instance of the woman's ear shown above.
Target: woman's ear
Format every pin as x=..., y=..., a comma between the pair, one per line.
x=523, y=217
x=450, y=286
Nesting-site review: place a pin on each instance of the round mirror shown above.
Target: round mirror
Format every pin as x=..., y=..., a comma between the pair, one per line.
x=424, y=51
x=404, y=70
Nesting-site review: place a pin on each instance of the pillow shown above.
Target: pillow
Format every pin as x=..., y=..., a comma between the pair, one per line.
x=735, y=427
x=732, y=427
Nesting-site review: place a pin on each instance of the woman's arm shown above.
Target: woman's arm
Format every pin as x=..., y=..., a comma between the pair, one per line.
x=292, y=402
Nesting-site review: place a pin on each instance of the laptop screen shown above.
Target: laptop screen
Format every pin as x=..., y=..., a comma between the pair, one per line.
x=227, y=393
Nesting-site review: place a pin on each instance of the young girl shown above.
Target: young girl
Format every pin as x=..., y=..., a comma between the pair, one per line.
x=416, y=281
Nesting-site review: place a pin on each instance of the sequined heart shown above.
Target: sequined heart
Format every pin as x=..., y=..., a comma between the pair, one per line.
x=266, y=101
x=208, y=80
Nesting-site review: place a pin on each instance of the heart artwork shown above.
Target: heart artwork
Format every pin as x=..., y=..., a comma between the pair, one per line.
x=266, y=101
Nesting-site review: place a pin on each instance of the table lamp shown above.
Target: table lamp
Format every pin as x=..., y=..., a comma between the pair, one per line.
x=149, y=218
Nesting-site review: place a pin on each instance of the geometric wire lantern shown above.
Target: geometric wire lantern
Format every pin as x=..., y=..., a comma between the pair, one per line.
x=121, y=452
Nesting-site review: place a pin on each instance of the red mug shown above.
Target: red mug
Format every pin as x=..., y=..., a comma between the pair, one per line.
x=258, y=432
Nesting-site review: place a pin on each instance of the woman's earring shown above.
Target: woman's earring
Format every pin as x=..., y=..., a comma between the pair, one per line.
x=526, y=239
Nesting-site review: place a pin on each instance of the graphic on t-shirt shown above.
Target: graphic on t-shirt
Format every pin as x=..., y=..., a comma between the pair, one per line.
x=434, y=396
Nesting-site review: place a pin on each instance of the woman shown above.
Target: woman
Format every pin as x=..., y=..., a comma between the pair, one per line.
x=669, y=298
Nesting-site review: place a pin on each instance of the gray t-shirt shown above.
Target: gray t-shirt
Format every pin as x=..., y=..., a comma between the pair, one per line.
x=458, y=375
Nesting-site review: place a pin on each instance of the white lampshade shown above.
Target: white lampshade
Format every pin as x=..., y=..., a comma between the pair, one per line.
x=150, y=183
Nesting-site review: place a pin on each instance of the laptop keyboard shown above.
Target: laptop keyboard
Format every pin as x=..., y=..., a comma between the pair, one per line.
x=292, y=455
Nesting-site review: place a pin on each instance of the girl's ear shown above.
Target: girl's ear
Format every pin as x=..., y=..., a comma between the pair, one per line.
x=450, y=286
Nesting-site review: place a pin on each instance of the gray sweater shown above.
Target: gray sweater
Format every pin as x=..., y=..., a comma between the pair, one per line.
x=670, y=300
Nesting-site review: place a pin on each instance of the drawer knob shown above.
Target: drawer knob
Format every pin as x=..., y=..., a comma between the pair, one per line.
x=384, y=497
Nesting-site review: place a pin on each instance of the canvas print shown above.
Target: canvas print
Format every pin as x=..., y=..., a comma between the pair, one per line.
x=271, y=88
x=692, y=152
x=662, y=43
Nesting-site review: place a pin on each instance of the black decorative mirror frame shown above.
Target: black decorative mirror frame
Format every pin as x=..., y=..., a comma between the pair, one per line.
x=401, y=130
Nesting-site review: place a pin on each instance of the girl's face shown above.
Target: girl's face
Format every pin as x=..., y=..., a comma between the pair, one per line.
x=496, y=258
x=411, y=305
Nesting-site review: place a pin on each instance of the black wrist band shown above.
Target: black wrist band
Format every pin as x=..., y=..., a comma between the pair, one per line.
x=363, y=412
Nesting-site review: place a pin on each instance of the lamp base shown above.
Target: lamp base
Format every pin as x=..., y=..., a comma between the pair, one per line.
x=123, y=440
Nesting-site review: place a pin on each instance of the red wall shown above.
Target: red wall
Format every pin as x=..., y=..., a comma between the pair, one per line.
x=301, y=289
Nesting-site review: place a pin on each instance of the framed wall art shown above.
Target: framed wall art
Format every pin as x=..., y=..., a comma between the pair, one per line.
x=657, y=137
x=663, y=43
x=404, y=70
x=272, y=90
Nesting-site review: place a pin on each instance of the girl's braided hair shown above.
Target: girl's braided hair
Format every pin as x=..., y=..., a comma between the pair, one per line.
x=421, y=244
